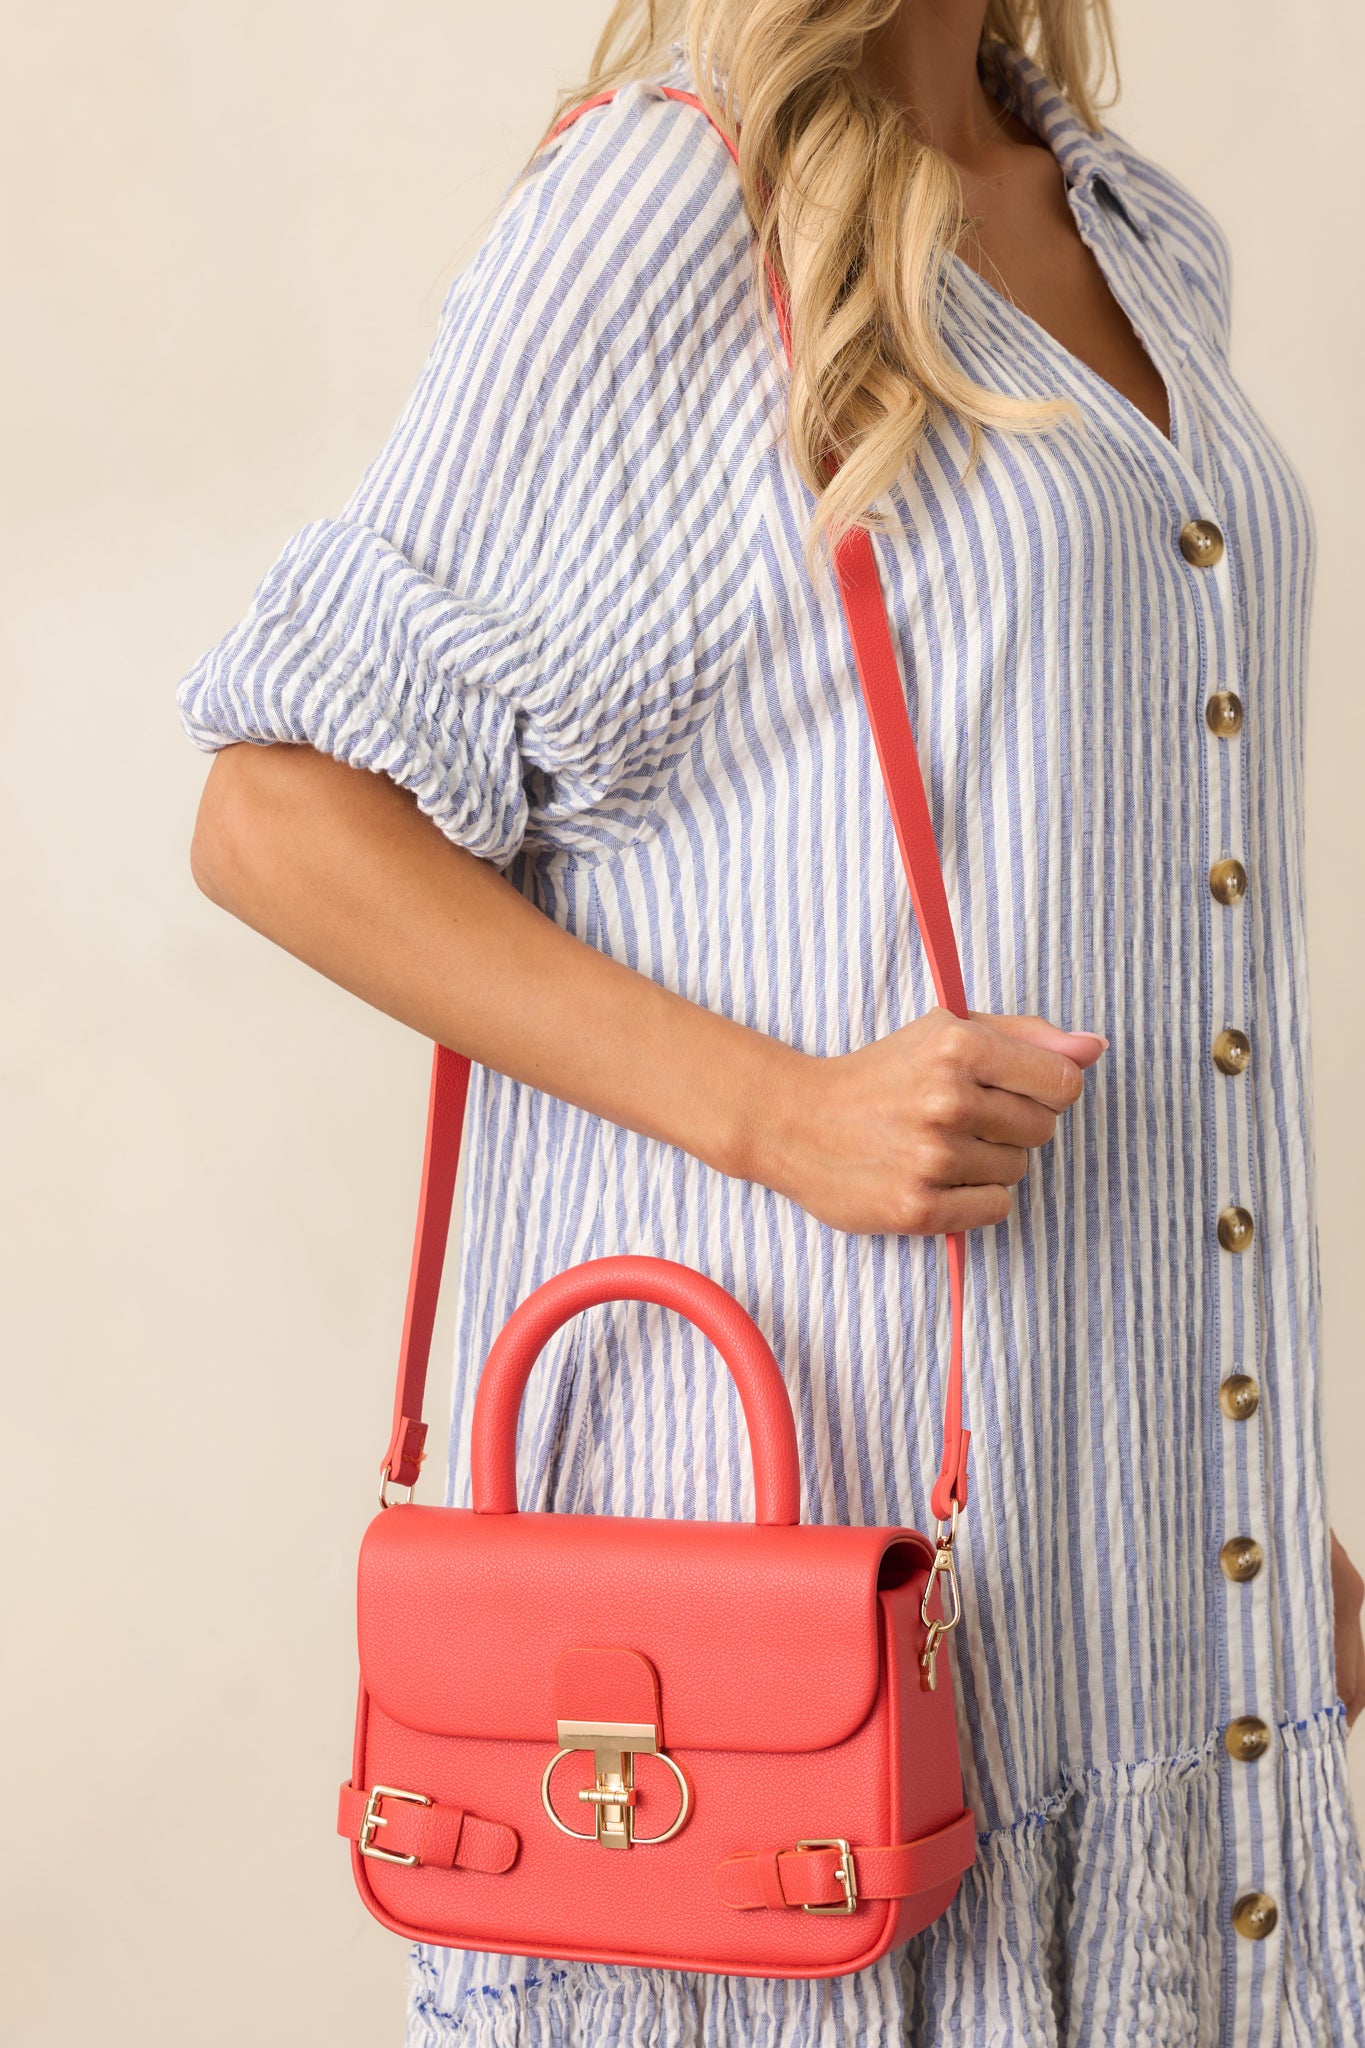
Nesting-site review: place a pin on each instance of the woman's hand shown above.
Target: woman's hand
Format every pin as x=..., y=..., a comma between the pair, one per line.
x=1348, y=1590
x=926, y=1130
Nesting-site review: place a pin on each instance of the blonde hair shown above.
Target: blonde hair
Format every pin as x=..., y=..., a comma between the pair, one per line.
x=857, y=216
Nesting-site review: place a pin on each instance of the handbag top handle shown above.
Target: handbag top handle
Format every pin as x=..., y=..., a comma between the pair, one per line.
x=736, y=1336
x=879, y=675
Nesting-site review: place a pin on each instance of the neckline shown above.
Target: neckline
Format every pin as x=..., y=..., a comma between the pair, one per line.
x=1021, y=87
x=1035, y=106
x=1079, y=368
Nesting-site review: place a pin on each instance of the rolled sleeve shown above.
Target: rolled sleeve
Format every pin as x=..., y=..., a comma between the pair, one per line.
x=516, y=615
x=350, y=648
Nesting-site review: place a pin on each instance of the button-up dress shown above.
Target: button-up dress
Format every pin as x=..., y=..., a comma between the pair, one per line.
x=566, y=608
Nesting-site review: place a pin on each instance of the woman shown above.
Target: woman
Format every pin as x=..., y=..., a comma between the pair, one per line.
x=626, y=844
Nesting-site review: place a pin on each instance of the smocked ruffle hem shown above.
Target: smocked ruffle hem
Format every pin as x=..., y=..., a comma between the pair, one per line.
x=1093, y=1920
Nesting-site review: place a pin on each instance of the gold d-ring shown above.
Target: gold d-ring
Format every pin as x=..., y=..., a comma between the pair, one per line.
x=385, y=1481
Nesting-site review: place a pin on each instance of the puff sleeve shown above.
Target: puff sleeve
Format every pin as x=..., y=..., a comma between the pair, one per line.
x=543, y=565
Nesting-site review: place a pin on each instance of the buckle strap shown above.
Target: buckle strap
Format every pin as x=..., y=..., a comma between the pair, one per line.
x=817, y=1876
x=420, y=1830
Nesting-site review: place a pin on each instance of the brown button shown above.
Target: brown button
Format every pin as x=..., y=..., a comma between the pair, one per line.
x=1228, y=880
x=1231, y=1050
x=1201, y=543
x=1235, y=1229
x=1223, y=714
x=1246, y=1738
x=1254, y=1916
x=1239, y=1397
x=1241, y=1558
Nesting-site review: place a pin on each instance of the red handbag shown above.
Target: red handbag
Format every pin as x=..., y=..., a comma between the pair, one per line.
x=708, y=1746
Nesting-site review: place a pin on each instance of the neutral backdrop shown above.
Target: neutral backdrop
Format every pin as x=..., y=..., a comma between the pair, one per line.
x=230, y=229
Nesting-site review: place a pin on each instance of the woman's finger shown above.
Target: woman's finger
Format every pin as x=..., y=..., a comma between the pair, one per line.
x=972, y=1163
x=999, y=1056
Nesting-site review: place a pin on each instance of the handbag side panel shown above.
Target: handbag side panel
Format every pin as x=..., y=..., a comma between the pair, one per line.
x=927, y=1794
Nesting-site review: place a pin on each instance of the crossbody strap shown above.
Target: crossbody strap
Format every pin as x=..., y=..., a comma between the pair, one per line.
x=884, y=696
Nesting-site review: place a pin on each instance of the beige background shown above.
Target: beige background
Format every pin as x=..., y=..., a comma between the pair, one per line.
x=230, y=230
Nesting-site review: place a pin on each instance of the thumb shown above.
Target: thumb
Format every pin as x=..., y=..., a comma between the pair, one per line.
x=1084, y=1047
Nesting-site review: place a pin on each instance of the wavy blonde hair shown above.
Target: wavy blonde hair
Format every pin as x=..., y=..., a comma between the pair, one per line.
x=857, y=216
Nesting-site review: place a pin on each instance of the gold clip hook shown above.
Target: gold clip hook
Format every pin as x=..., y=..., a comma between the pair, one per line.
x=951, y=1609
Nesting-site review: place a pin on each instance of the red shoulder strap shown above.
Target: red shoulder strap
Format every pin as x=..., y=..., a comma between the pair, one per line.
x=884, y=695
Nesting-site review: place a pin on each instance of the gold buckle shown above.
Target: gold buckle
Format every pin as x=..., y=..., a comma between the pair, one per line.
x=614, y=1746
x=374, y=1819
x=844, y=1873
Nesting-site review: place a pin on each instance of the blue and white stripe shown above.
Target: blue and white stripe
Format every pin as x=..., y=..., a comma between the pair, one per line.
x=566, y=608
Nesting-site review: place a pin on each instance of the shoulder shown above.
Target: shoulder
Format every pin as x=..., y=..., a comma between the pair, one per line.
x=634, y=210
x=639, y=141
x=1182, y=227
x=598, y=361
x=614, y=302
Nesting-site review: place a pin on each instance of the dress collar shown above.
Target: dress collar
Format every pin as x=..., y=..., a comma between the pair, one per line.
x=1022, y=85
x=1085, y=159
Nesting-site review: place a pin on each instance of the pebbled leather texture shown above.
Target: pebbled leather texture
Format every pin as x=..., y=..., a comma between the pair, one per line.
x=761, y=1638
x=607, y=1685
x=893, y=1780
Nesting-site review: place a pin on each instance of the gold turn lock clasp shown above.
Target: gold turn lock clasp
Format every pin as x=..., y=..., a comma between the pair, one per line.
x=612, y=1795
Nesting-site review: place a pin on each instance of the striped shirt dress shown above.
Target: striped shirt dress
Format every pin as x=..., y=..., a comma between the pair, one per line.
x=566, y=608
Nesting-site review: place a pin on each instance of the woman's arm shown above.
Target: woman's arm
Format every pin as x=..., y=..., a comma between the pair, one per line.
x=923, y=1131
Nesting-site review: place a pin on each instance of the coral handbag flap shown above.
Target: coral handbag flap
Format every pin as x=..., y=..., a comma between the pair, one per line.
x=762, y=1638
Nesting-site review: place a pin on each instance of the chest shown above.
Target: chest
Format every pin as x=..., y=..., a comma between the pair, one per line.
x=1059, y=651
